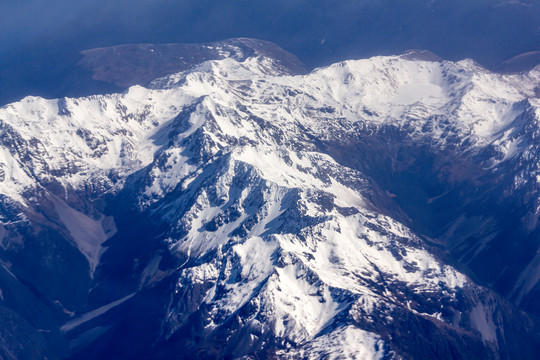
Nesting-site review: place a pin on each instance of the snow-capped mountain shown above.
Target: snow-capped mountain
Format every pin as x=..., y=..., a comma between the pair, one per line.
x=235, y=211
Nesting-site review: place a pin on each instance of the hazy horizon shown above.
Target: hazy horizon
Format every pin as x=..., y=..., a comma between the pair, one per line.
x=41, y=40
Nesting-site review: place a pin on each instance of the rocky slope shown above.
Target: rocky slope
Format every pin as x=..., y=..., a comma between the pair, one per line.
x=235, y=211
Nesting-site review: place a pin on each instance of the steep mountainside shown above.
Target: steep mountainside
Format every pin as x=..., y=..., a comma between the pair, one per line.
x=233, y=210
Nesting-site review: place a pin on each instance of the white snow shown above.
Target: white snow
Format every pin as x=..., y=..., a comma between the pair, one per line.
x=344, y=343
x=88, y=234
x=72, y=324
x=411, y=93
x=481, y=320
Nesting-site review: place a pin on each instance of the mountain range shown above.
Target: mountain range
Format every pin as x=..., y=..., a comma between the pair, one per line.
x=241, y=208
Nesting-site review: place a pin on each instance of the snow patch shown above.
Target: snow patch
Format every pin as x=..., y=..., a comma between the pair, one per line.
x=481, y=320
x=343, y=343
x=72, y=324
x=87, y=234
x=412, y=93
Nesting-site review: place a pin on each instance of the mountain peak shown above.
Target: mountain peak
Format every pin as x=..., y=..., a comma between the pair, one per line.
x=417, y=54
x=138, y=64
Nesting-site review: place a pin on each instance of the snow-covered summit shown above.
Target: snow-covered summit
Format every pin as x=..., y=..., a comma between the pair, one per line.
x=79, y=138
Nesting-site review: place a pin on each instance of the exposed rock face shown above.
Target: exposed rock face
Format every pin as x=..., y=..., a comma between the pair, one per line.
x=235, y=211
